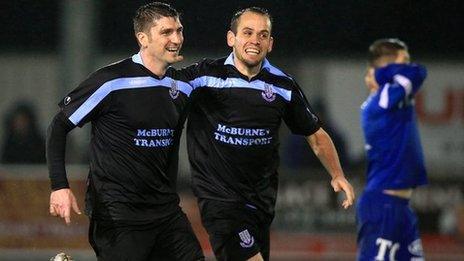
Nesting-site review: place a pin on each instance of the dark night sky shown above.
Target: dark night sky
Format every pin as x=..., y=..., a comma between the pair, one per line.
x=433, y=28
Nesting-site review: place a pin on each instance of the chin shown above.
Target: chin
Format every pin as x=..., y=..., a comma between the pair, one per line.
x=253, y=63
x=171, y=60
x=255, y=59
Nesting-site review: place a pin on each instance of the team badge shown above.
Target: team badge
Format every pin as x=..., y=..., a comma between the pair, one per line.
x=174, y=91
x=67, y=100
x=247, y=240
x=268, y=93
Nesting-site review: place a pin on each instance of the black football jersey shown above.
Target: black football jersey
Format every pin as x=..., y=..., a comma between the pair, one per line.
x=136, y=120
x=233, y=127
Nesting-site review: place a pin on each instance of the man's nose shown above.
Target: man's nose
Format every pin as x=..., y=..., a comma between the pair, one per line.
x=177, y=38
x=255, y=39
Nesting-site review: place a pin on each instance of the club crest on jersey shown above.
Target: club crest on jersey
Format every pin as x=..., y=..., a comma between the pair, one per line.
x=247, y=240
x=174, y=91
x=268, y=93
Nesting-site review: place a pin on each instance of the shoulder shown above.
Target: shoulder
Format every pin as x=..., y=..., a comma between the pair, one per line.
x=207, y=65
x=204, y=67
x=276, y=71
x=279, y=77
x=121, y=69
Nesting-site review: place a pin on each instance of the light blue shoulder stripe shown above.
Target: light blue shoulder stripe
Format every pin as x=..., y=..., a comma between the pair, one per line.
x=274, y=70
x=121, y=84
x=215, y=82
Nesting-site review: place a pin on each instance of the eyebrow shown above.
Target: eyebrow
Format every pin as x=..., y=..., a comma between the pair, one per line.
x=163, y=30
x=168, y=29
x=262, y=31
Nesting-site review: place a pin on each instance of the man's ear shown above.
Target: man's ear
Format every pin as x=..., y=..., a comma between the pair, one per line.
x=230, y=38
x=142, y=38
x=271, y=43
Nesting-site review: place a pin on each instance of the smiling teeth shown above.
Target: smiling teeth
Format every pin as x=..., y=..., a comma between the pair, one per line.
x=253, y=51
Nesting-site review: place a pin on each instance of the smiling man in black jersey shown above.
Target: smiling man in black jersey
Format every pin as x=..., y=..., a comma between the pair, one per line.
x=238, y=105
x=136, y=107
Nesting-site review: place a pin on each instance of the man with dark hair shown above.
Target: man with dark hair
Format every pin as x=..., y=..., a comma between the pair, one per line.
x=136, y=107
x=257, y=10
x=387, y=227
x=385, y=50
x=237, y=107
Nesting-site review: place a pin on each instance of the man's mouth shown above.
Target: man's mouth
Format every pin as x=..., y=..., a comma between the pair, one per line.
x=252, y=51
x=173, y=49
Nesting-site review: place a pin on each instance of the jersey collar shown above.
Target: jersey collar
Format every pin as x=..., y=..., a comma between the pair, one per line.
x=136, y=58
x=265, y=66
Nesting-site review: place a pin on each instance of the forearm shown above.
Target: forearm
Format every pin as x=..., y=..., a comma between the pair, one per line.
x=55, y=151
x=324, y=149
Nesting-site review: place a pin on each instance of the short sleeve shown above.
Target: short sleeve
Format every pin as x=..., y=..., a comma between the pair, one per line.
x=299, y=116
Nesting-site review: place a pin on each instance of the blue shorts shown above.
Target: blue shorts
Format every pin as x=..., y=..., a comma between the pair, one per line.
x=387, y=228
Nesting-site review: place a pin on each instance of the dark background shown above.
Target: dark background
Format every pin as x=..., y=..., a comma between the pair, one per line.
x=431, y=28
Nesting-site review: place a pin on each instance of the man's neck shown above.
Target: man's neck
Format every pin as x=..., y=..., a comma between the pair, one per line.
x=249, y=72
x=156, y=67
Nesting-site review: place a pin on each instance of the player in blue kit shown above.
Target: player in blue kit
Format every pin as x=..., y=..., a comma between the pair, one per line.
x=387, y=226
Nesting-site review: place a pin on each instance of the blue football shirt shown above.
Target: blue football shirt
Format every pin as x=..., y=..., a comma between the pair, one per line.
x=394, y=152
